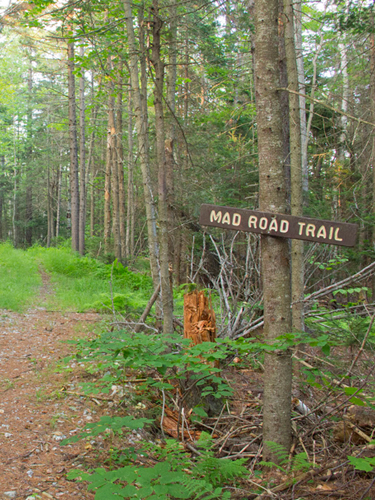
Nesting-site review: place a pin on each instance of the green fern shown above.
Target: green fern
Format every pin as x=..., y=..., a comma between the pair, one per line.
x=176, y=475
x=279, y=452
x=299, y=463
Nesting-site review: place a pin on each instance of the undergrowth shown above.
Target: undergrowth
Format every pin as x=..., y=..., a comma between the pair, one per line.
x=19, y=278
x=83, y=283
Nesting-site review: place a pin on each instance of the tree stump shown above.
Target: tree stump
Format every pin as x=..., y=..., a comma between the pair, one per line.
x=200, y=326
x=199, y=318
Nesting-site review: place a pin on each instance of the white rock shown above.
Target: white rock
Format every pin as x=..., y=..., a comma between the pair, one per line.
x=10, y=494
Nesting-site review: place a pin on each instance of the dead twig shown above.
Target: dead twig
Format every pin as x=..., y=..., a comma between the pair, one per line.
x=147, y=310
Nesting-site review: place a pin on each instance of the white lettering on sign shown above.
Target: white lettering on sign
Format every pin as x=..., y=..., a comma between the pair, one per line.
x=236, y=219
x=284, y=226
x=252, y=222
x=337, y=234
x=310, y=230
x=273, y=226
x=322, y=232
x=226, y=218
x=215, y=217
x=301, y=226
x=263, y=223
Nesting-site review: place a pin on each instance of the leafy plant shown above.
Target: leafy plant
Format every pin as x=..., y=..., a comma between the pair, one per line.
x=299, y=462
x=175, y=475
x=366, y=464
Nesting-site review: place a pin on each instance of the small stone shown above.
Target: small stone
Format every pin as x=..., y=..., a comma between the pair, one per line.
x=10, y=494
x=30, y=473
x=46, y=495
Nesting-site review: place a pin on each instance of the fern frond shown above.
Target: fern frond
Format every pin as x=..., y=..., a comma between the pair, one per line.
x=279, y=451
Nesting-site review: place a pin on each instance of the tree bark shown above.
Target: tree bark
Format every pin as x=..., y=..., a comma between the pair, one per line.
x=59, y=182
x=174, y=230
x=296, y=167
x=74, y=183
x=372, y=158
x=129, y=246
x=297, y=18
x=29, y=180
x=120, y=165
x=166, y=290
x=142, y=138
x=275, y=255
x=82, y=163
x=109, y=171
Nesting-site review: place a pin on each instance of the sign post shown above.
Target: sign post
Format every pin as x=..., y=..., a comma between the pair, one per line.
x=284, y=226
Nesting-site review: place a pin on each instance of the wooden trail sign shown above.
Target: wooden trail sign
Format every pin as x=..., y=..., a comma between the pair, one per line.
x=284, y=226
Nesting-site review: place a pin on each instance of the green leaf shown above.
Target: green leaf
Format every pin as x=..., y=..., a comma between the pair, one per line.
x=365, y=464
x=357, y=402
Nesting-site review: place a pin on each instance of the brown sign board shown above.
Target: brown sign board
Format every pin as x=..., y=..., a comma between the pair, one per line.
x=284, y=226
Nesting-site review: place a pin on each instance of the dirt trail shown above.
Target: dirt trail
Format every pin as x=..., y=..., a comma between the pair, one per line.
x=35, y=415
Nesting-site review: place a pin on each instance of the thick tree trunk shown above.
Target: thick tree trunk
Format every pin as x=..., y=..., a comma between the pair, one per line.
x=296, y=167
x=275, y=255
x=82, y=164
x=74, y=183
x=166, y=290
x=142, y=137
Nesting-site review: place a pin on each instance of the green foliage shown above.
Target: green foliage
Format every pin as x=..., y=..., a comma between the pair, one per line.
x=107, y=424
x=366, y=464
x=175, y=475
x=19, y=278
x=298, y=463
x=83, y=283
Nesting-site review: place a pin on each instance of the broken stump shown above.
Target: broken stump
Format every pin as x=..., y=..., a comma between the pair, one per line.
x=200, y=326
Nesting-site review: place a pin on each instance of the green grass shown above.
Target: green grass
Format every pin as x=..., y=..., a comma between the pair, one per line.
x=19, y=278
x=83, y=283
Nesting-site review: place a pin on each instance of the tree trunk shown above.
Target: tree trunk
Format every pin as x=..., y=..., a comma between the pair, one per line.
x=91, y=171
x=15, y=168
x=174, y=231
x=142, y=137
x=120, y=166
x=297, y=277
x=74, y=184
x=109, y=171
x=129, y=246
x=297, y=18
x=82, y=161
x=372, y=158
x=58, y=208
x=29, y=179
x=1, y=215
x=49, y=210
x=166, y=290
x=275, y=255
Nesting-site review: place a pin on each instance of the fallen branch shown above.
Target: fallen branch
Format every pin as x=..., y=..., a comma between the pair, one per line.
x=147, y=310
